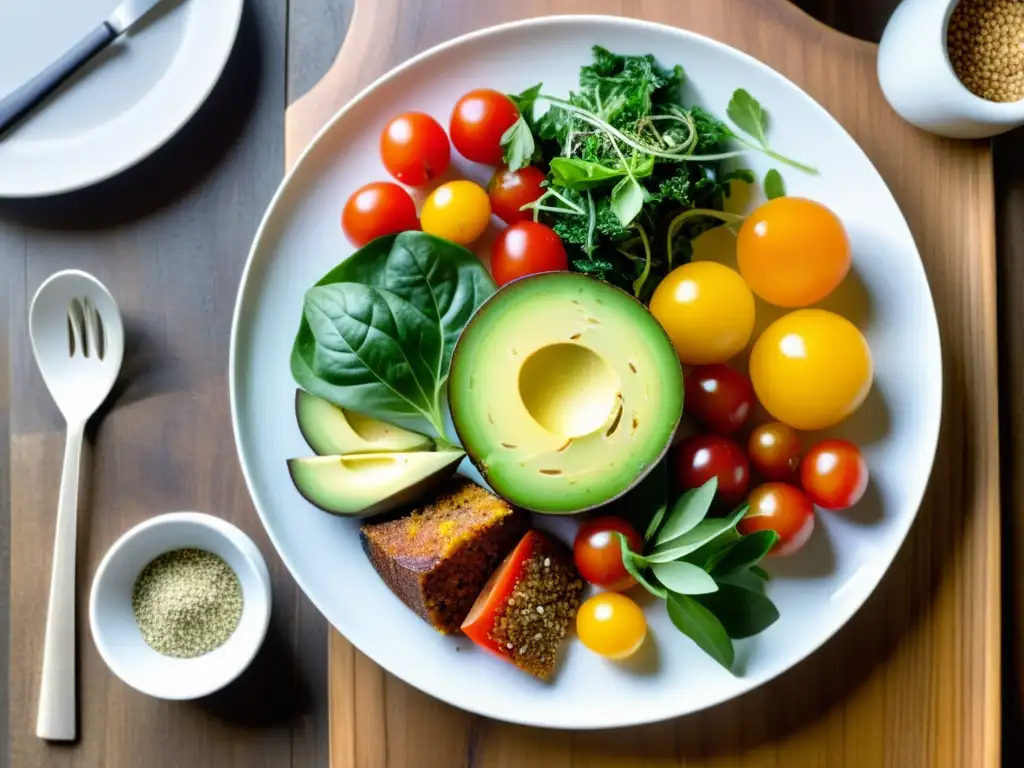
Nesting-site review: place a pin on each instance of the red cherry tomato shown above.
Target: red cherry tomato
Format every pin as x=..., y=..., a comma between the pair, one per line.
x=700, y=457
x=526, y=248
x=834, y=474
x=511, y=190
x=414, y=148
x=774, y=451
x=781, y=508
x=598, y=554
x=718, y=398
x=479, y=120
x=377, y=209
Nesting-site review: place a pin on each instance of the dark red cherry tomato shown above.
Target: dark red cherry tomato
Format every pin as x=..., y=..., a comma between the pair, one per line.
x=700, y=457
x=718, y=398
x=774, y=451
x=526, y=248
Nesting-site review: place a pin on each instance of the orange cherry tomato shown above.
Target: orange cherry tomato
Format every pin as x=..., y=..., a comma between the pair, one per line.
x=834, y=474
x=706, y=309
x=414, y=148
x=598, y=554
x=611, y=625
x=377, y=209
x=781, y=508
x=811, y=369
x=793, y=252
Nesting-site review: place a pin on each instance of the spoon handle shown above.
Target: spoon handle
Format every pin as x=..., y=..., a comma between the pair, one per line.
x=56, y=717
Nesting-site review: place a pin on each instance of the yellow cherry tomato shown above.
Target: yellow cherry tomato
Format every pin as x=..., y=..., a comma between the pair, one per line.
x=793, y=252
x=811, y=369
x=611, y=625
x=706, y=309
x=457, y=211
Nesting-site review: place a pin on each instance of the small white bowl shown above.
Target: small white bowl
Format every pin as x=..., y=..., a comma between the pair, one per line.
x=117, y=635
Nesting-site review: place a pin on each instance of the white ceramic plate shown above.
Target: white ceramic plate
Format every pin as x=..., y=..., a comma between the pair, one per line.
x=816, y=591
x=123, y=105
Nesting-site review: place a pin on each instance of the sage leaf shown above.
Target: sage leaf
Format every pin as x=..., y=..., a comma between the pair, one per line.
x=689, y=509
x=748, y=115
x=774, y=186
x=742, y=613
x=627, y=200
x=684, y=578
x=702, y=626
x=760, y=572
x=629, y=561
x=705, y=553
x=694, y=539
x=739, y=556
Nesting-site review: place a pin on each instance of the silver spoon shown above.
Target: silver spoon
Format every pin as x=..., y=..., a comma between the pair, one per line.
x=78, y=341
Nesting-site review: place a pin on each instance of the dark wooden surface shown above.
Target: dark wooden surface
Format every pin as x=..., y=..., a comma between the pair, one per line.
x=170, y=238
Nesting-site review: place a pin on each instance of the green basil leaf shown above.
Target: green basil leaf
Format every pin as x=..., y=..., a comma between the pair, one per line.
x=760, y=572
x=701, y=556
x=633, y=569
x=573, y=173
x=430, y=282
x=519, y=144
x=742, y=613
x=689, y=509
x=652, y=527
x=749, y=116
x=684, y=578
x=774, y=186
x=702, y=533
x=627, y=200
x=702, y=626
x=739, y=556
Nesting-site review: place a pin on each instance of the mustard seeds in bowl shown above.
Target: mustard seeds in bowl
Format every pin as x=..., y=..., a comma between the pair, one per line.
x=187, y=602
x=985, y=40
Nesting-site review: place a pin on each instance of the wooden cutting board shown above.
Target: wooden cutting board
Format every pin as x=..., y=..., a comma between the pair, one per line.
x=914, y=678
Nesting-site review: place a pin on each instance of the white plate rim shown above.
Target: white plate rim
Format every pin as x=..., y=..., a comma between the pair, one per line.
x=172, y=121
x=930, y=441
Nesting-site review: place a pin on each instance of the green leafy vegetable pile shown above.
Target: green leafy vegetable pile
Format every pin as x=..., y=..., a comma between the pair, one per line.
x=705, y=571
x=378, y=331
x=633, y=174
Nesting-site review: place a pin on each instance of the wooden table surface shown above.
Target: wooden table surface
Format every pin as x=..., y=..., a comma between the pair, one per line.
x=170, y=237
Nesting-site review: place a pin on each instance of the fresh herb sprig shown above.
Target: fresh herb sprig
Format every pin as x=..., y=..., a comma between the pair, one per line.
x=706, y=572
x=634, y=175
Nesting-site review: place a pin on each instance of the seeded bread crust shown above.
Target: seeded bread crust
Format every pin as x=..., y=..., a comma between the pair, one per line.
x=438, y=558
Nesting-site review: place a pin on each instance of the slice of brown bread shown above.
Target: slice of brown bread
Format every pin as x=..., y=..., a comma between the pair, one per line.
x=438, y=557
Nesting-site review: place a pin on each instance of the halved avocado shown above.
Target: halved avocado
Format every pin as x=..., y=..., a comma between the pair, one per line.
x=565, y=392
x=365, y=484
x=331, y=430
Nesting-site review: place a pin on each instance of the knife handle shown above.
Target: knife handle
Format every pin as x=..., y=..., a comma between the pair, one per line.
x=17, y=104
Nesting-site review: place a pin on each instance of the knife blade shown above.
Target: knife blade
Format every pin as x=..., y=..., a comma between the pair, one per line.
x=19, y=103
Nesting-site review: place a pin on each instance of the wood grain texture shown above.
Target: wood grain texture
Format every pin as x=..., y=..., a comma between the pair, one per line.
x=169, y=238
x=913, y=680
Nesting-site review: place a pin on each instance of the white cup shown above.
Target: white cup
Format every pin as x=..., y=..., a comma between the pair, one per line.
x=918, y=80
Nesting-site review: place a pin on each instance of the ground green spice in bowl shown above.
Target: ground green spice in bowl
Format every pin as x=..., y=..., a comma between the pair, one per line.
x=187, y=602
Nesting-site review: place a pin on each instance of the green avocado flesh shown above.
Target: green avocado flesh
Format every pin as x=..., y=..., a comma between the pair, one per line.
x=365, y=484
x=330, y=430
x=565, y=392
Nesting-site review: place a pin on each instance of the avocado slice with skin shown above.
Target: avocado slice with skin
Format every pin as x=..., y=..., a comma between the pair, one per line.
x=332, y=430
x=565, y=392
x=366, y=484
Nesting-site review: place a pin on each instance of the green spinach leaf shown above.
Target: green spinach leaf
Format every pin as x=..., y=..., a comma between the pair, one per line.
x=741, y=612
x=702, y=626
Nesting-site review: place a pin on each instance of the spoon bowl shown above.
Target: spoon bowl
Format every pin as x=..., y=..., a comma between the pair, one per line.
x=78, y=341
